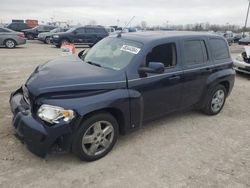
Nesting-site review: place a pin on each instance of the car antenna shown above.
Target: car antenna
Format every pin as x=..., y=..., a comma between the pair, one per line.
x=120, y=33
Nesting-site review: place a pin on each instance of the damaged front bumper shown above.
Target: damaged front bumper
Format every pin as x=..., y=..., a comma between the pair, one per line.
x=38, y=137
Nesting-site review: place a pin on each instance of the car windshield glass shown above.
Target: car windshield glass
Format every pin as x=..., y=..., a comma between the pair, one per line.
x=113, y=53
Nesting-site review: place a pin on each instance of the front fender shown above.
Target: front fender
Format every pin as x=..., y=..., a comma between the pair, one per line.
x=112, y=99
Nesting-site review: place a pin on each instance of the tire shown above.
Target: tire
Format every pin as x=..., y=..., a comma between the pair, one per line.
x=47, y=40
x=30, y=37
x=10, y=43
x=64, y=41
x=95, y=137
x=215, y=100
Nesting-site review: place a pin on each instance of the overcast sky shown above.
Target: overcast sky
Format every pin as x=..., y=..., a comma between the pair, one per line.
x=111, y=12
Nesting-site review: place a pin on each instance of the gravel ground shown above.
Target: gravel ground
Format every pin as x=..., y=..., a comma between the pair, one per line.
x=186, y=149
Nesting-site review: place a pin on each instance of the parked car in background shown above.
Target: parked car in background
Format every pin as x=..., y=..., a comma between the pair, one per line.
x=227, y=36
x=242, y=62
x=110, y=29
x=237, y=37
x=18, y=26
x=88, y=35
x=33, y=33
x=46, y=36
x=10, y=38
x=244, y=41
x=82, y=103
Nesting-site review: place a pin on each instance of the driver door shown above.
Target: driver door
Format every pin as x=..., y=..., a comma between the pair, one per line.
x=79, y=35
x=161, y=93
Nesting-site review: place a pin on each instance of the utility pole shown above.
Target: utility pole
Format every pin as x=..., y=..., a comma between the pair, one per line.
x=245, y=27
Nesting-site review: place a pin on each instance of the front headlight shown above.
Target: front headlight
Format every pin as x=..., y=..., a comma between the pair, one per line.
x=52, y=114
x=55, y=36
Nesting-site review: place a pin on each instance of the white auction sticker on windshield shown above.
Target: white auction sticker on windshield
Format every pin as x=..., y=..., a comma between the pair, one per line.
x=130, y=49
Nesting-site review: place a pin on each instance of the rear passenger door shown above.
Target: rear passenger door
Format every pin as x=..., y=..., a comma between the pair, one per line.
x=197, y=66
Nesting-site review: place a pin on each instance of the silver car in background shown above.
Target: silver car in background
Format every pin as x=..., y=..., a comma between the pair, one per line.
x=10, y=38
x=45, y=36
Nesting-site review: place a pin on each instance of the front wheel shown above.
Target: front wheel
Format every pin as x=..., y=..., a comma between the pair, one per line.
x=47, y=40
x=9, y=43
x=96, y=137
x=215, y=100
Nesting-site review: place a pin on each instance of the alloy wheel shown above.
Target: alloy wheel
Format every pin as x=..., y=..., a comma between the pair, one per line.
x=10, y=44
x=218, y=100
x=98, y=138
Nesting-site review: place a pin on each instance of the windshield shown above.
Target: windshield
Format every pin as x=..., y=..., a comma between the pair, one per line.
x=113, y=53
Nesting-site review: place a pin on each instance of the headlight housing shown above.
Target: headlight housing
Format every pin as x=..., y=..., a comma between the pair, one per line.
x=52, y=114
x=55, y=36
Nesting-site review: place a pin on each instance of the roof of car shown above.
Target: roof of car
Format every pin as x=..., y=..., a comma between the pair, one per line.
x=149, y=36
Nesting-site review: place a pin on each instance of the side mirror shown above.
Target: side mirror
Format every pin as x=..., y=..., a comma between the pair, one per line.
x=153, y=67
x=81, y=53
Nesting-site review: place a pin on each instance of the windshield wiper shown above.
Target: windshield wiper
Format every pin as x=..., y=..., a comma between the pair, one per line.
x=92, y=63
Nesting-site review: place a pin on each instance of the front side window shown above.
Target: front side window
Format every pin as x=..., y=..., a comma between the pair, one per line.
x=165, y=53
x=113, y=53
x=195, y=52
x=80, y=30
x=219, y=49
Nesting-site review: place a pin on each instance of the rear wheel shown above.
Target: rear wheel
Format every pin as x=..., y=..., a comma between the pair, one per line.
x=95, y=137
x=9, y=43
x=215, y=100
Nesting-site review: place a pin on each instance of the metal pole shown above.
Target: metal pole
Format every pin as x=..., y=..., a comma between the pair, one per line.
x=245, y=28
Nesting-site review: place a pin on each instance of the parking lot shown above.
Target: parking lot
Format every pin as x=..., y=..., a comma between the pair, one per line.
x=187, y=149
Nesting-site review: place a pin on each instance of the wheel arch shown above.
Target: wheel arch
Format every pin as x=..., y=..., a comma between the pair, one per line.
x=115, y=112
x=10, y=39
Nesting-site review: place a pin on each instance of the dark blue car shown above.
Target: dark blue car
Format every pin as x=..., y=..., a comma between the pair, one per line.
x=82, y=103
x=88, y=35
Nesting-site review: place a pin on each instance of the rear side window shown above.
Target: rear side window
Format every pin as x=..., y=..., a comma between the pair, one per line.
x=219, y=49
x=195, y=52
x=100, y=30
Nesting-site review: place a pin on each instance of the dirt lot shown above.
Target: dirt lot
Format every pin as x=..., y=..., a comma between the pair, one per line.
x=183, y=150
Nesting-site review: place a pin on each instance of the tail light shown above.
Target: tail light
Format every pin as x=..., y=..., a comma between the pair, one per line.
x=21, y=35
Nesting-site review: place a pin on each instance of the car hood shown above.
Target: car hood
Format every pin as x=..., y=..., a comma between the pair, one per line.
x=70, y=73
x=245, y=40
x=45, y=34
x=59, y=33
x=25, y=30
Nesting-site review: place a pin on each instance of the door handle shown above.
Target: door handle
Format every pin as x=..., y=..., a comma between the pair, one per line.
x=174, y=77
